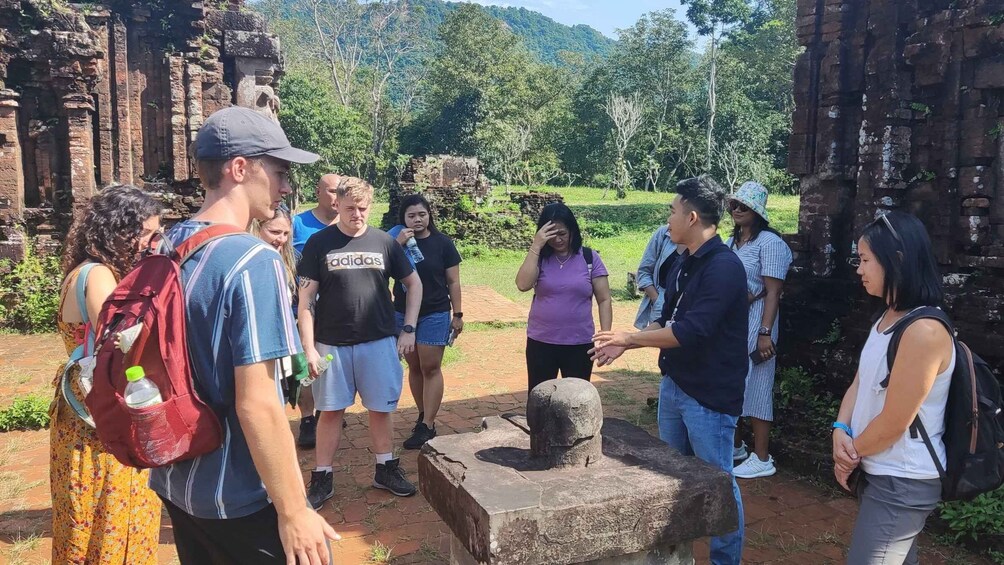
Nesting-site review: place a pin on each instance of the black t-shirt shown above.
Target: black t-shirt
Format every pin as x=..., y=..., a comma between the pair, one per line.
x=354, y=305
x=440, y=254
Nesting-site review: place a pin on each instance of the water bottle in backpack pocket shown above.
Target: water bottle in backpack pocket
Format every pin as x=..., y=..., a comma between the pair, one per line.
x=150, y=419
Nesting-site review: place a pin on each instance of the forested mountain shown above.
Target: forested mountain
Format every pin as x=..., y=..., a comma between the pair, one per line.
x=540, y=34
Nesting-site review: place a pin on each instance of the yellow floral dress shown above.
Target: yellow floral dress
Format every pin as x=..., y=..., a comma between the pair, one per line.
x=102, y=511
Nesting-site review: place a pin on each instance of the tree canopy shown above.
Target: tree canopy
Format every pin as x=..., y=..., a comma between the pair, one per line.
x=532, y=98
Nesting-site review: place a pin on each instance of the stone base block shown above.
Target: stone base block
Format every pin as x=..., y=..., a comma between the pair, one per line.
x=679, y=554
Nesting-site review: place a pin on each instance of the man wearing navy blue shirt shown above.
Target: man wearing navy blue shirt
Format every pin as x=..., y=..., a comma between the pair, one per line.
x=701, y=335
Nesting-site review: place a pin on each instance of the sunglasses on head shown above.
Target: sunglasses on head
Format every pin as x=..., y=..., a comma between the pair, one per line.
x=884, y=220
x=737, y=206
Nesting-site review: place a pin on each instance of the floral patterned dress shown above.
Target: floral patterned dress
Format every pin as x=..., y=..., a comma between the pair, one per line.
x=102, y=511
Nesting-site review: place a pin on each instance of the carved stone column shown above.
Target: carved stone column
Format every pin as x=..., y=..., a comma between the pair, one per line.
x=11, y=170
x=80, y=150
x=11, y=179
x=255, y=57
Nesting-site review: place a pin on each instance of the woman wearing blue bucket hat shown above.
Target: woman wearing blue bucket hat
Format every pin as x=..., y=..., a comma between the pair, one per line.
x=766, y=258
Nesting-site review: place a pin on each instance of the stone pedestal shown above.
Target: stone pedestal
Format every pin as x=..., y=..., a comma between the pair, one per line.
x=679, y=554
x=642, y=502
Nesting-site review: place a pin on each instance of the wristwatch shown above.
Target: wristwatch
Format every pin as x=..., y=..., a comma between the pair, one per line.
x=764, y=330
x=408, y=329
x=458, y=314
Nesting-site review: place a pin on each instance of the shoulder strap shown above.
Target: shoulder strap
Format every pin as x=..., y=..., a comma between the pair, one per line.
x=81, y=291
x=898, y=329
x=184, y=251
x=83, y=350
x=587, y=254
x=81, y=288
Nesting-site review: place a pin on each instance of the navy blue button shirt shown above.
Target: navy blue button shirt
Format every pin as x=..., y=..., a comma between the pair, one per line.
x=708, y=291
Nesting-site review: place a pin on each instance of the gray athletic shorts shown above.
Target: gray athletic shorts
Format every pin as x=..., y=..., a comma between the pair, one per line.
x=372, y=369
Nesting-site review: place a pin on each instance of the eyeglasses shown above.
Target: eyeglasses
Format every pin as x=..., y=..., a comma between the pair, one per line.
x=737, y=206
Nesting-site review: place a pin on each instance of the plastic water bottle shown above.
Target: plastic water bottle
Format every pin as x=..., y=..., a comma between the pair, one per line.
x=321, y=367
x=141, y=391
x=411, y=247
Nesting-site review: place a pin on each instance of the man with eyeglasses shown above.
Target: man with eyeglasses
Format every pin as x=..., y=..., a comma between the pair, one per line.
x=702, y=335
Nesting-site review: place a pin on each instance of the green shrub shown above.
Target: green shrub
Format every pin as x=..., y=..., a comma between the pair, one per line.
x=29, y=412
x=599, y=229
x=801, y=403
x=29, y=293
x=977, y=518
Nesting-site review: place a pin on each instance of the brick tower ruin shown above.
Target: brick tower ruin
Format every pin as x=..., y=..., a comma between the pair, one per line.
x=97, y=93
x=900, y=106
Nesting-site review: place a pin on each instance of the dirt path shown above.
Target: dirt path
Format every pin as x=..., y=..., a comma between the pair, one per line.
x=788, y=519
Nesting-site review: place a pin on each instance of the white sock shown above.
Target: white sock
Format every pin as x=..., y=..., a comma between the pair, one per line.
x=383, y=458
x=325, y=469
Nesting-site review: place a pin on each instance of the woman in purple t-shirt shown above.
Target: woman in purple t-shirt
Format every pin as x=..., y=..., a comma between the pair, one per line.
x=565, y=276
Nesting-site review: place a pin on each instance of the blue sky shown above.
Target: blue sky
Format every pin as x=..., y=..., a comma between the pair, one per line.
x=605, y=15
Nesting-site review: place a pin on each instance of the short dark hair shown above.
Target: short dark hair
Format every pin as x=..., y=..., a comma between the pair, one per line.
x=704, y=196
x=558, y=212
x=415, y=200
x=904, y=252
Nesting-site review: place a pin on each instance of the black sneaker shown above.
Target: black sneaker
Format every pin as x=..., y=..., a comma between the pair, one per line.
x=308, y=433
x=423, y=433
x=389, y=476
x=421, y=416
x=321, y=488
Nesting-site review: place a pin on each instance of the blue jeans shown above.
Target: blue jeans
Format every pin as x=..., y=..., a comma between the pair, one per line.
x=693, y=429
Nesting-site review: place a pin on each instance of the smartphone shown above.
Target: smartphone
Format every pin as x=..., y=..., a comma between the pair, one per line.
x=756, y=357
x=452, y=336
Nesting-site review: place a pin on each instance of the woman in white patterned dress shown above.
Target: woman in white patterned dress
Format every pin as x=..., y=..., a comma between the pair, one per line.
x=766, y=258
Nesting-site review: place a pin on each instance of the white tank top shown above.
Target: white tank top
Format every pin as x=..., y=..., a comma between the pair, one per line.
x=908, y=457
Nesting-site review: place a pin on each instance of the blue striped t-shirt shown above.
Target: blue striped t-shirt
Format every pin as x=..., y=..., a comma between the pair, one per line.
x=237, y=313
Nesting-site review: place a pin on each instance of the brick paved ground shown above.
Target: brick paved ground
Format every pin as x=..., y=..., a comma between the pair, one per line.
x=482, y=304
x=788, y=519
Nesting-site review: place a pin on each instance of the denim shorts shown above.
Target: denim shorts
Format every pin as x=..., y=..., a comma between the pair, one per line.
x=432, y=329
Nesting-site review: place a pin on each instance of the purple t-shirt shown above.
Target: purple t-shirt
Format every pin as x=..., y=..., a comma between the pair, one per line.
x=562, y=308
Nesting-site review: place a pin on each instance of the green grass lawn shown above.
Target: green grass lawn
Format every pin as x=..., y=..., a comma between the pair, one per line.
x=626, y=226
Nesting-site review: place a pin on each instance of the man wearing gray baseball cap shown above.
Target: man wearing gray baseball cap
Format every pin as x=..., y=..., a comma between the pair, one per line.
x=243, y=503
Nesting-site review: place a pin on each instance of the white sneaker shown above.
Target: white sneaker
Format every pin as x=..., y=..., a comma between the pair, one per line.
x=740, y=453
x=754, y=468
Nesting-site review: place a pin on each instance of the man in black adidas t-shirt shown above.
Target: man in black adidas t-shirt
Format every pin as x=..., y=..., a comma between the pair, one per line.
x=346, y=312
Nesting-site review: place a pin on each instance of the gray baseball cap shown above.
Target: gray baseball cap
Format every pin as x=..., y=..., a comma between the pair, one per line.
x=242, y=132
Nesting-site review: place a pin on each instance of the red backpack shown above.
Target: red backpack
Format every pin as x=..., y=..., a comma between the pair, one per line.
x=147, y=310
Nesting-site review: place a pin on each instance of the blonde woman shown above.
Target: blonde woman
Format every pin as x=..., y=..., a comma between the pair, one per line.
x=277, y=232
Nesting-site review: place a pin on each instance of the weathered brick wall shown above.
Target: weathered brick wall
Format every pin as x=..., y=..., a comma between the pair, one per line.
x=98, y=93
x=898, y=106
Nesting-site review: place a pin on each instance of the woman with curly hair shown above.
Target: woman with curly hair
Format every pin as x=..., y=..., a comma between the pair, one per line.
x=102, y=511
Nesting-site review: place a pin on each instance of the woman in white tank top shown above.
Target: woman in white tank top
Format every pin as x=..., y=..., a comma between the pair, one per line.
x=899, y=484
